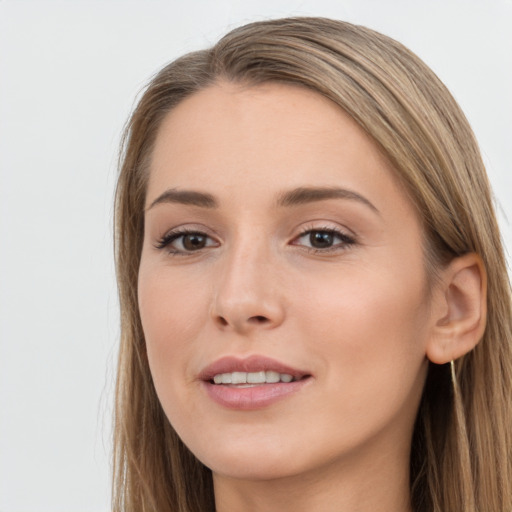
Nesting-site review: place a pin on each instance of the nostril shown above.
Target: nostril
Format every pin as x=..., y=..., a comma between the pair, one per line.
x=222, y=321
x=258, y=319
x=243, y=323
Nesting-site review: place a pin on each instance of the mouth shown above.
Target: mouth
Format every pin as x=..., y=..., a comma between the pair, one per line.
x=251, y=383
x=247, y=379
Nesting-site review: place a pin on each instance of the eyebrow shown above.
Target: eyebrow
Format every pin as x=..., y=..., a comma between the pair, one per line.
x=295, y=197
x=189, y=197
x=305, y=195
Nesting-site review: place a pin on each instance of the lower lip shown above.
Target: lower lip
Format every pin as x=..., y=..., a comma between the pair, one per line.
x=254, y=397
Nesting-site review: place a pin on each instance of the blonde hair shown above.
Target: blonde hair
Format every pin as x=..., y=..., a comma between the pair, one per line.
x=462, y=448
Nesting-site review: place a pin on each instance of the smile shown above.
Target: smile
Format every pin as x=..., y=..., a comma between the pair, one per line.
x=252, y=378
x=251, y=383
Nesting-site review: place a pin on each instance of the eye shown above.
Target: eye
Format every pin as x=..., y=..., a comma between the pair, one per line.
x=324, y=239
x=185, y=241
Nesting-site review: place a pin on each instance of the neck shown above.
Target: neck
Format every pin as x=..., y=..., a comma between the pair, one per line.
x=372, y=484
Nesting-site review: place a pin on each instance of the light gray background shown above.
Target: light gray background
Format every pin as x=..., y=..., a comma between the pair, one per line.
x=69, y=73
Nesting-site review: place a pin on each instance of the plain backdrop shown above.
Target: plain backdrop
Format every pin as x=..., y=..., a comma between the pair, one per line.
x=69, y=74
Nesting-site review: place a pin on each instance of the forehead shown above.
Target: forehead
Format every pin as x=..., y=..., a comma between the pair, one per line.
x=246, y=140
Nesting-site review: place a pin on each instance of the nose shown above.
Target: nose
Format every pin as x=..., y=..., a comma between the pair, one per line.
x=249, y=294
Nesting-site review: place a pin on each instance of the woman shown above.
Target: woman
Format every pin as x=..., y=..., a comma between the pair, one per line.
x=316, y=311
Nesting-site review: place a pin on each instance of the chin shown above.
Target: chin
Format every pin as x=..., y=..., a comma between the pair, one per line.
x=250, y=459
x=272, y=458
x=256, y=468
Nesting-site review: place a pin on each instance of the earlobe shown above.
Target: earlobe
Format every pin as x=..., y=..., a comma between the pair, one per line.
x=461, y=315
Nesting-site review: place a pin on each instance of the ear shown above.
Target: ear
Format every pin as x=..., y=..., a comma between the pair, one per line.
x=460, y=309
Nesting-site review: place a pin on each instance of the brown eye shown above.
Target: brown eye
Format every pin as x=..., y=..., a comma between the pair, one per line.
x=194, y=241
x=184, y=242
x=321, y=239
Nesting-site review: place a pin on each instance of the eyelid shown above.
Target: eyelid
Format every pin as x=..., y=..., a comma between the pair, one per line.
x=347, y=237
x=165, y=241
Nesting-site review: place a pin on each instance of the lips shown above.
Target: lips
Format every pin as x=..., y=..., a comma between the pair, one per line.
x=251, y=383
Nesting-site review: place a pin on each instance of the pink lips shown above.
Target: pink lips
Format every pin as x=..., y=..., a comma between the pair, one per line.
x=256, y=396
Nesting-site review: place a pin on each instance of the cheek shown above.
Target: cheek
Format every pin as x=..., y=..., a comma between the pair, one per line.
x=170, y=306
x=370, y=329
x=171, y=320
x=365, y=299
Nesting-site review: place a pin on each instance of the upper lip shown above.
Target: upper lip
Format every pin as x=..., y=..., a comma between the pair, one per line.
x=253, y=363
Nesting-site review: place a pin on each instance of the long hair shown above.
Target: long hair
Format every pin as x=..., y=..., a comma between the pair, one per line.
x=461, y=456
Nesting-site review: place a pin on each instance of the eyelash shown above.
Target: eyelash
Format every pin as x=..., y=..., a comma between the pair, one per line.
x=172, y=236
x=346, y=240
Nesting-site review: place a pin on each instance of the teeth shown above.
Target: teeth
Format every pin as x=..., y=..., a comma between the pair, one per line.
x=226, y=378
x=262, y=377
x=272, y=377
x=256, y=378
x=239, y=378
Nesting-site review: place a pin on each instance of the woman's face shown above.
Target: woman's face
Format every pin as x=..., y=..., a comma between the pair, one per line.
x=278, y=245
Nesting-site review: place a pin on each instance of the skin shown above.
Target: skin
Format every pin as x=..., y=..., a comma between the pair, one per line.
x=356, y=316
